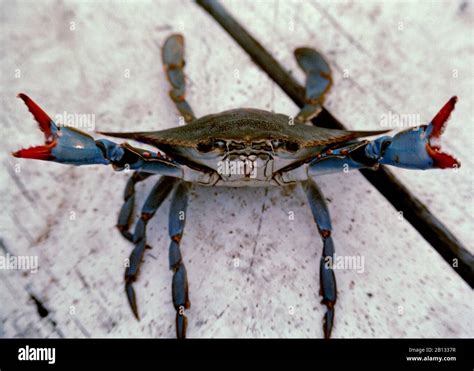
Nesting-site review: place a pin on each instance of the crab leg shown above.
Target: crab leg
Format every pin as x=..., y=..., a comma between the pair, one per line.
x=156, y=197
x=173, y=61
x=125, y=215
x=172, y=55
x=326, y=274
x=318, y=82
x=177, y=219
x=71, y=146
x=415, y=148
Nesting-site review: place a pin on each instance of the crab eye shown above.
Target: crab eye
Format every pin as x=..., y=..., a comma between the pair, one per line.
x=211, y=146
x=276, y=143
x=219, y=144
x=204, y=147
x=292, y=146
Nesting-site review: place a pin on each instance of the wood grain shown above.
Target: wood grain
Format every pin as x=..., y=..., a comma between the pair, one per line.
x=253, y=271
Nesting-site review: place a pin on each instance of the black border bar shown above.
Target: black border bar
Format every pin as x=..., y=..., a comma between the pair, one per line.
x=91, y=351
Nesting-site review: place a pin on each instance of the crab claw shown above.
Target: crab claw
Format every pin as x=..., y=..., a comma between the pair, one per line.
x=46, y=125
x=434, y=131
x=62, y=144
x=416, y=148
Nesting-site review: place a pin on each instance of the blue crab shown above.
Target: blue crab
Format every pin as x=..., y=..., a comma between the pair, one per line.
x=236, y=148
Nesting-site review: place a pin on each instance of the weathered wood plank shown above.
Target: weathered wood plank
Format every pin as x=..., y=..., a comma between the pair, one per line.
x=69, y=213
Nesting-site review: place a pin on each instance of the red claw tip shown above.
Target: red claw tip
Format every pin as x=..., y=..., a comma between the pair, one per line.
x=37, y=153
x=42, y=152
x=441, y=118
x=441, y=160
x=40, y=116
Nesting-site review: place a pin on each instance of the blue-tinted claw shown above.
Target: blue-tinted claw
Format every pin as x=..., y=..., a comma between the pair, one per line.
x=62, y=144
x=77, y=148
x=416, y=148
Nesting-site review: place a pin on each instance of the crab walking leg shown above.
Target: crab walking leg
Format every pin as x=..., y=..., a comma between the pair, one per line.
x=173, y=60
x=125, y=215
x=318, y=82
x=156, y=197
x=177, y=219
x=172, y=55
x=326, y=274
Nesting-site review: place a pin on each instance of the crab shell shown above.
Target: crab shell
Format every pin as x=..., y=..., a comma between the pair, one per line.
x=244, y=146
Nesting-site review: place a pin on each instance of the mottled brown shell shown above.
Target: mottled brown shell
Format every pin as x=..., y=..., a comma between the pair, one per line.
x=244, y=125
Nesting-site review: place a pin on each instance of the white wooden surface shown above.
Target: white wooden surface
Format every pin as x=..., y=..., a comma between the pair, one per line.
x=406, y=289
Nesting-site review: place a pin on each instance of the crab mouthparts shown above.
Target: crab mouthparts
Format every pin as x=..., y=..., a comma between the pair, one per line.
x=45, y=123
x=441, y=160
